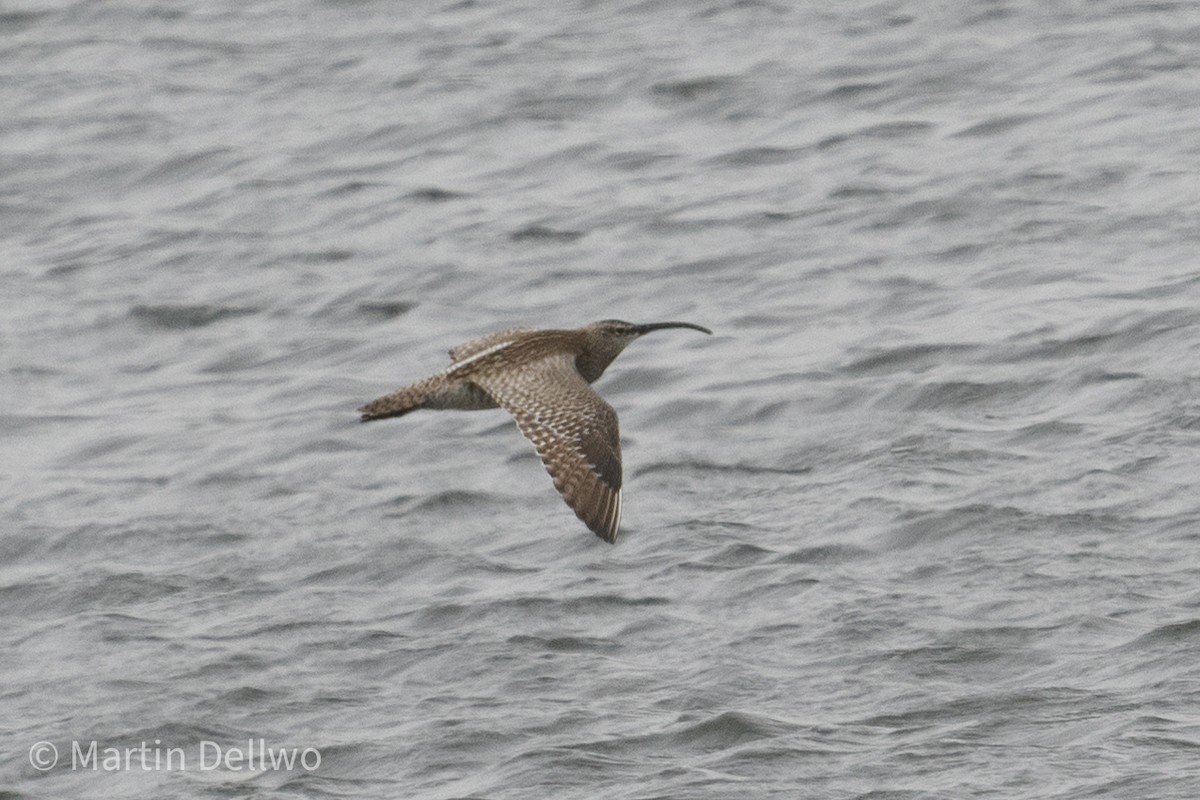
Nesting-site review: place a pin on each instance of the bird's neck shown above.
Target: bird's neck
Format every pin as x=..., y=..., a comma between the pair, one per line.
x=592, y=361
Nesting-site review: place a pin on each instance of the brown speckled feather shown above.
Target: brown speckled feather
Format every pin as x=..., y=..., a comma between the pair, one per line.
x=542, y=378
x=471, y=348
x=468, y=349
x=574, y=431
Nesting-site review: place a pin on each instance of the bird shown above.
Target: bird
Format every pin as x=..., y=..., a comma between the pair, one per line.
x=543, y=377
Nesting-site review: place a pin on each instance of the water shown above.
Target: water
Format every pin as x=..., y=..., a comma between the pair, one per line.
x=919, y=521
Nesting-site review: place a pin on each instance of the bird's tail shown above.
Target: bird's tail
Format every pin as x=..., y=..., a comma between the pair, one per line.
x=436, y=391
x=396, y=404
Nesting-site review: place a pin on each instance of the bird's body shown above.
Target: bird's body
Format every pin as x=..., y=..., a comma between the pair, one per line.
x=542, y=378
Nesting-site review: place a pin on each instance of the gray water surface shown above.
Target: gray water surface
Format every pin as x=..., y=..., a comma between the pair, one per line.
x=918, y=521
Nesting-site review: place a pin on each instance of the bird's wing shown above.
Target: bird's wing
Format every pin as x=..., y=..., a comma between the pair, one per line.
x=574, y=430
x=468, y=349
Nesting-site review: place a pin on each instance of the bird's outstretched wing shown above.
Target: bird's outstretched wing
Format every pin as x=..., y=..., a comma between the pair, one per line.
x=574, y=430
x=468, y=349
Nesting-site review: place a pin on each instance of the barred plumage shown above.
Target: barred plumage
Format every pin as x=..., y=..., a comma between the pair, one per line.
x=542, y=378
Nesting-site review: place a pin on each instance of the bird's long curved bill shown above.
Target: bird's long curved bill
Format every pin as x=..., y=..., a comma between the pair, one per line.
x=658, y=326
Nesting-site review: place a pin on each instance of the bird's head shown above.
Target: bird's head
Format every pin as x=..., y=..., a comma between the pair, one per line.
x=609, y=337
x=621, y=330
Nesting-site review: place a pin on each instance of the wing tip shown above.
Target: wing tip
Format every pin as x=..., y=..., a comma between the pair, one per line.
x=609, y=523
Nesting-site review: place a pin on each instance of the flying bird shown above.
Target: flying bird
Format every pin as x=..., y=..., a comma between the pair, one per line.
x=542, y=378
